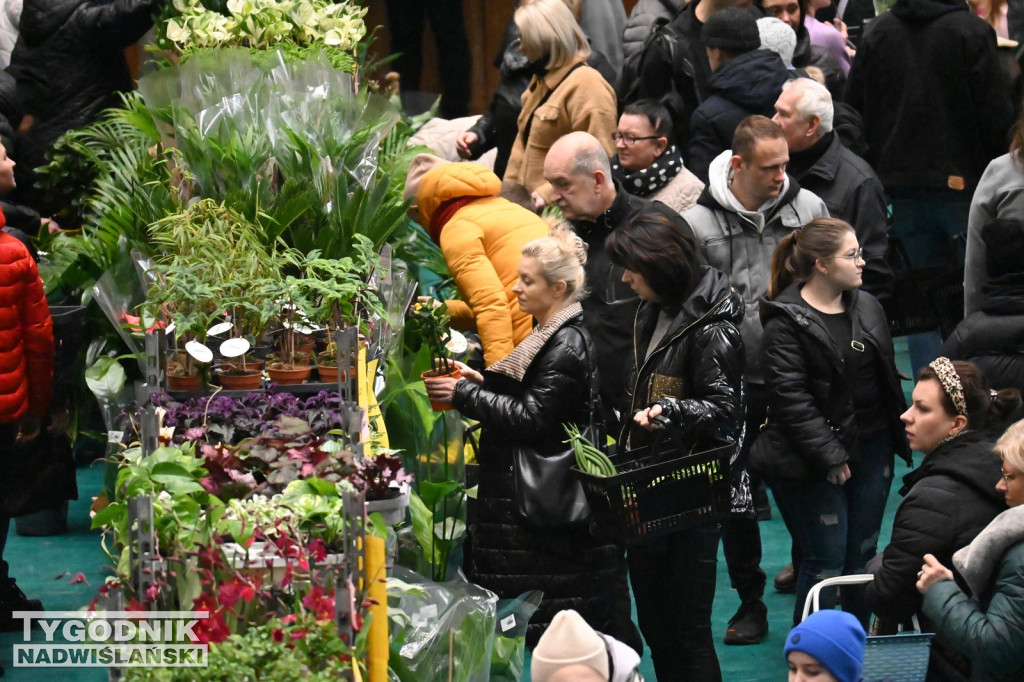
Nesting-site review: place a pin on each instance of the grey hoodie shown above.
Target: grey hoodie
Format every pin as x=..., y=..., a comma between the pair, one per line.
x=740, y=243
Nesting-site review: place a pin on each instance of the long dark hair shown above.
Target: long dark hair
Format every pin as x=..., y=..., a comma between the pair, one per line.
x=660, y=250
x=794, y=257
x=984, y=409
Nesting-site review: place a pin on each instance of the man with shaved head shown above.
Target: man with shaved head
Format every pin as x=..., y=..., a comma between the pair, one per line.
x=579, y=172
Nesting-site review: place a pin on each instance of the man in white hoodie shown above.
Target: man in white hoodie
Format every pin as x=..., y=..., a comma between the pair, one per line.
x=748, y=206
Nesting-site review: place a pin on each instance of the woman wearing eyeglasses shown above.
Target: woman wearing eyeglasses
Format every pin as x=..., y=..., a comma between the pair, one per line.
x=986, y=622
x=834, y=401
x=646, y=163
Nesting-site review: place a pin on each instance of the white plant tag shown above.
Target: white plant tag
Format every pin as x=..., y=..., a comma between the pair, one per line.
x=508, y=622
x=199, y=351
x=232, y=348
x=218, y=329
x=457, y=343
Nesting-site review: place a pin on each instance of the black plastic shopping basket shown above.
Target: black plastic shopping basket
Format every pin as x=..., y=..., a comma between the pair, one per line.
x=652, y=496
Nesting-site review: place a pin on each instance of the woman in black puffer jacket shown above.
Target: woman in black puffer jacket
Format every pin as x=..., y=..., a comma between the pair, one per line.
x=835, y=398
x=524, y=399
x=688, y=368
x=955, y=419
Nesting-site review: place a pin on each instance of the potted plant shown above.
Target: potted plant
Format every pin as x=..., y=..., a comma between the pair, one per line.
x=211, y=254
x=432, y=319
x=279, y=299
x=335, y=295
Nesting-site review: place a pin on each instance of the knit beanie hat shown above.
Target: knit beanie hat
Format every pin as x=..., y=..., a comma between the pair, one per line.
x=1004, y=244
x=421, y=165
x=731, y=29
x=568, y=640
x=779, y=37
x=835, y=639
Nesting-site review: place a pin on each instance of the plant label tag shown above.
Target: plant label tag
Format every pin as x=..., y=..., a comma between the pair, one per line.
x=508, y=622
x=199, y=351
x=232, y=348
x=218, y=329
x=115, y=436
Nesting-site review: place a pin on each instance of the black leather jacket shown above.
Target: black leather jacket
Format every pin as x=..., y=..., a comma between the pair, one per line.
x=573, y=568
x=808, y=392
x=696, y=371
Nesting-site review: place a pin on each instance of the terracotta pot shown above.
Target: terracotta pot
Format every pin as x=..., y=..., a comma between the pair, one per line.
x=330, y=373
x=289, y=375
x=237, y=380
x=191, y=382
x=435, y=374
x=252, y=363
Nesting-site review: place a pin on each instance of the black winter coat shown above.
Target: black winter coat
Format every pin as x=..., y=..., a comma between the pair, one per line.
x=852, y=192
x=610, y=309
x=993, y=337
x=574, y=569
x=696, y=371
x=809, y=395
x=947, y=501
x=69, y=64
x=749, y=84
x=935, y=102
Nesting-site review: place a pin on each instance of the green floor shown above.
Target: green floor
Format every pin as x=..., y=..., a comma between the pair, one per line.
x=44, y=566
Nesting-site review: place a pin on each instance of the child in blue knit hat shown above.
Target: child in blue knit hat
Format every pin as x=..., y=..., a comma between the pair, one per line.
x=827, y=647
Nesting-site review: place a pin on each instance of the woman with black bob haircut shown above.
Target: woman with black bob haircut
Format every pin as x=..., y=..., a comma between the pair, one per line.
x=835, y=400
x=687, y=368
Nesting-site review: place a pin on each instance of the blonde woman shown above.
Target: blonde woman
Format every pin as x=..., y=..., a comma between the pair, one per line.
x=564, y=94
x=523, y=400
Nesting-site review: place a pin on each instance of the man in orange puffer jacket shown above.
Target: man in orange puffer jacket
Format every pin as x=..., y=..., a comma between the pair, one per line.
x=26, y=380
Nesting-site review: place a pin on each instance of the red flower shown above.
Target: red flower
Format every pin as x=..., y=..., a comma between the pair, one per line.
x=277, y=635
x=320, y=603
x=230, y=592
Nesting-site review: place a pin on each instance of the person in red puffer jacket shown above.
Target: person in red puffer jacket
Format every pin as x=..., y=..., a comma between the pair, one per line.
x=26, y=378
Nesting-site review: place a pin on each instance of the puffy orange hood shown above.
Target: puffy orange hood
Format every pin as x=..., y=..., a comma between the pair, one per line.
x=451, y=181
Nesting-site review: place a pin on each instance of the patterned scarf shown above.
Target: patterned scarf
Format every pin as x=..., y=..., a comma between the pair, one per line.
x=645, y=182
x=518, y=361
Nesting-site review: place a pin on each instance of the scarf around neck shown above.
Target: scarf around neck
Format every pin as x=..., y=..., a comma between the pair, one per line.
x=518, y=361
x=647, y=181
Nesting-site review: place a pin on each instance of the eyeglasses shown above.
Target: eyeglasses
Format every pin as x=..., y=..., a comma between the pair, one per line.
x=631, y=140
x=856, y=255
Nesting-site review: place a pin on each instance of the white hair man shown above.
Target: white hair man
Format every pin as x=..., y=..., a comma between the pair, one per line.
x=843, y=180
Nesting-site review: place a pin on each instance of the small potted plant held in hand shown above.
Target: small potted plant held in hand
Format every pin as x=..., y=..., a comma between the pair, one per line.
x=432, y=319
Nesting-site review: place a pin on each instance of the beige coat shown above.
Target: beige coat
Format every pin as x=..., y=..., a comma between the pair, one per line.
x=584, y=101
x=681, y=192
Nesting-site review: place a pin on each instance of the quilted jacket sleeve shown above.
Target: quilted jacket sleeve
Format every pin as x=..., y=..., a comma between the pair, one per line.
x=120, y=23
x=993, y=639
x=481, y=287
x=37, y=330
x=920, y=527
x=789, y=394
x=717, y=410
x=556, y=388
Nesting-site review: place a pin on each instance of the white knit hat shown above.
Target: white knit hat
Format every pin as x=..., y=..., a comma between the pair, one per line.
x=568, y=640
x=779, y=37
